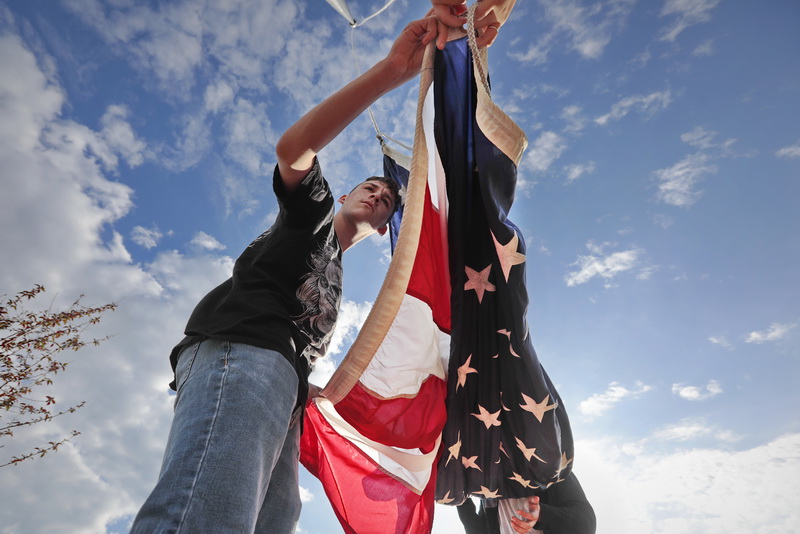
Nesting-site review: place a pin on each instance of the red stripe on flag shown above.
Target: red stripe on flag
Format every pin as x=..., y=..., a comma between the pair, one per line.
x=428, y=280
x=364, y=497
x=407, y=423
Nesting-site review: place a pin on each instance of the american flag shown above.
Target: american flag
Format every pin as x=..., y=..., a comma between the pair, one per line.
x=454, y=401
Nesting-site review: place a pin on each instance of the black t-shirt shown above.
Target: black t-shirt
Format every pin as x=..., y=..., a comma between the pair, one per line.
x=286, y=286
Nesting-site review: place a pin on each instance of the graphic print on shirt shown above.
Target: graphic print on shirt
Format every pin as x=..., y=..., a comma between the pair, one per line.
x=319, y=294
x=262, y=237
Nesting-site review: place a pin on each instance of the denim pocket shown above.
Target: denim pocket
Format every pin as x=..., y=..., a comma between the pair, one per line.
x=185, y=362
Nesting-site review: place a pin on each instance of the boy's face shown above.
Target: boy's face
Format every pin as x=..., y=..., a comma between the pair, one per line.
x=370, y=202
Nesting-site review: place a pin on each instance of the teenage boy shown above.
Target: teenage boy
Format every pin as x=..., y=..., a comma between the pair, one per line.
x=241, y=373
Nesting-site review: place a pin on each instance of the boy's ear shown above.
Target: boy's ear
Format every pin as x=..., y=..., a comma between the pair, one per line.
x=382, y=230
x=342, y=199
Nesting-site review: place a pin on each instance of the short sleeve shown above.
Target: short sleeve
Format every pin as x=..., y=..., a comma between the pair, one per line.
x=311, y=200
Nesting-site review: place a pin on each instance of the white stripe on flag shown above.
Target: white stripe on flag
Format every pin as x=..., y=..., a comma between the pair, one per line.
x=409, y=354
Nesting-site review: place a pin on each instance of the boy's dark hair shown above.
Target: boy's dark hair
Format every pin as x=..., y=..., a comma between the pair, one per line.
x=392, y=186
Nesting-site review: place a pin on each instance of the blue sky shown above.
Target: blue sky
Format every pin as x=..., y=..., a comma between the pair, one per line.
x=658, y=199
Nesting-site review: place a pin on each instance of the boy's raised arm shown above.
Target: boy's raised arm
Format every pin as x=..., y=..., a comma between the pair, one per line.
x=299, y=145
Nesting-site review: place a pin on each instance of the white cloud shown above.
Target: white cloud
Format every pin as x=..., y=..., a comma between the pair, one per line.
x=603, y=264
x=691, y=429
x=351, y=316
x=198, y=58
x=66, y=190
x=600, y=403
x=775, y=332
x=644, y=104
x=641, y=59
x=536, y=53
x=699, y=137
x=120, y=137
x=445, y=520
x=634, y=490
x=311, y=67
x=115, y=460
x=576, y=170
x=36, y=100
x=146, y=237
x=687, y=13
x=588, y=28
x=63, y=163
x=683, y=431
x=704, y=49
x=514, y=103
x=703, y=139
x=677, y=184
x=664, y=221
x=205, y=241
x=323, y=371
x=545, y=150
x=574, y=118
x=306, y=495
x=222, y=64
x=789, y=152
x=193, y=143
x=165, y=43
x=721, y=341
x=217, y=95
x=696, y=393
x=171, y=43
x=645, y=273
x=537, y=90
x=249, y=136
x=238, y=191
x=382, y=246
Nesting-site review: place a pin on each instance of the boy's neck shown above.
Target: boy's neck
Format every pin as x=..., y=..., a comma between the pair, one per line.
x=349, y=233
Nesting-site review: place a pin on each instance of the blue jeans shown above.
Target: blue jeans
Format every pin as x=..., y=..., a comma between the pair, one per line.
x=232, y=454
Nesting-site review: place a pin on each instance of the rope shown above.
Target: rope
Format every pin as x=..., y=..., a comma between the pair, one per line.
x=395, y=141
x=343, y=10
x=390, y=2
x=378, y=133
x=479, y=59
